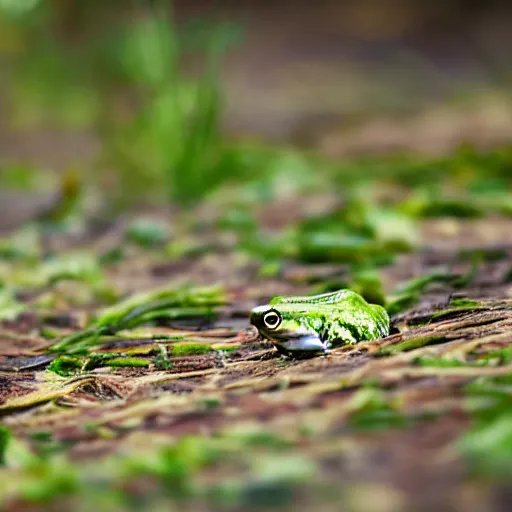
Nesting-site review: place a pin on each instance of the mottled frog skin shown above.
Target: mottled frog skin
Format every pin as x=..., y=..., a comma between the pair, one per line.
x=317, y=323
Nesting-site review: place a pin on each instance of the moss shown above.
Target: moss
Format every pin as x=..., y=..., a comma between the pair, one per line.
x=464, y=303
x=65, y=365
x=162, y=359
x=190, y=349
x=128, y=362
x=227, y=347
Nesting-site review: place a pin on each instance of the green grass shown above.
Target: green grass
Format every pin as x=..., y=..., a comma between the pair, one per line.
x=144, y=308
x=169, y=147
x=172, y=144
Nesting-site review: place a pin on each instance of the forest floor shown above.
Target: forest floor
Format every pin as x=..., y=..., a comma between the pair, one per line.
x=130, y=378
x=166, y=395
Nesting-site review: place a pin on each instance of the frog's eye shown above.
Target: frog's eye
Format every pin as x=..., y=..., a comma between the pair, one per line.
x=272, y=319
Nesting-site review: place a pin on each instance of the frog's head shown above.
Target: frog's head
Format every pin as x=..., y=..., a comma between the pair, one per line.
x=286, y=330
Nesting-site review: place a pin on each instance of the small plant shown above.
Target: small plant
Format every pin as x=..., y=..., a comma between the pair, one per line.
x=65, y=365
x=162, y=361
x=172, y=144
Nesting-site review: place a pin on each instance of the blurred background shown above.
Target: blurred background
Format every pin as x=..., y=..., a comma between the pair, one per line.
x=158, y=103
x=268, y=148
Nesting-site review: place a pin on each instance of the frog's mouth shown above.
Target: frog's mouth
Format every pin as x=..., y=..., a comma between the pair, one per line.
x=297, y=341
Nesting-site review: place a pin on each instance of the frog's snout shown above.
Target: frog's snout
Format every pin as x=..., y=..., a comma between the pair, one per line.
x=256, y=316
x=253, y=319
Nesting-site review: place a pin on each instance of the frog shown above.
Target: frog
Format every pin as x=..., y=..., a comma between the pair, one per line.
x=308, y=325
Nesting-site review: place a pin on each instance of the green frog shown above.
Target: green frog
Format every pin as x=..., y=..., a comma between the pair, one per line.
x=315, y=324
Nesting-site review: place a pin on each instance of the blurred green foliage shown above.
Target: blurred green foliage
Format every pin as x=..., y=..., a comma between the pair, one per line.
x=159, y=126
x=174, y=137
x=370, y=409
x=161, y=142
x=65, y=365
x=175, y=470
x=147, y=232
x=18, y=7
x=10, y=308
x=488, y=444
x=121, y=71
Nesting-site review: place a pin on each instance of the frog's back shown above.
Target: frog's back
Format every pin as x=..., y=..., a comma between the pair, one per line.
x=343, y=312
x=382, y=322
x=324, y=299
